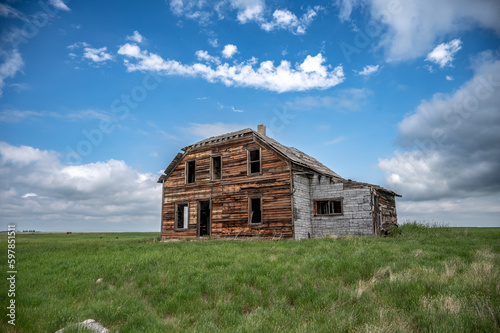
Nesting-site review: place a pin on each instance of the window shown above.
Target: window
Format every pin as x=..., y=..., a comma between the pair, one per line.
x=254, y=161
x=328, y=207
x=216, y=168
x=181, y=216
x=190, y=172
x=255, y=210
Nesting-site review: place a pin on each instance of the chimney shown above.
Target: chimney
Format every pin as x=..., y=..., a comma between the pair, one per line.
x=261, y=129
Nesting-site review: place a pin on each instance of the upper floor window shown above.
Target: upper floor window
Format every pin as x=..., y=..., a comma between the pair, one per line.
x=328, y=207
x=216, y=165
x=254, y=161
x=190, y=172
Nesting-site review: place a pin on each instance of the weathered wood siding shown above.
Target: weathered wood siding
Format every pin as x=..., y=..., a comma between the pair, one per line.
x=302, y=206
x=355, y=220
x=229, y=196
x=387, y=209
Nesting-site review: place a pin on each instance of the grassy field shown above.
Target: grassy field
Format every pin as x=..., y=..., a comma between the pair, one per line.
x=428, y=279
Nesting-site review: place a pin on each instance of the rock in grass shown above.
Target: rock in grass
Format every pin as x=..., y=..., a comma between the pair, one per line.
x=99, y=280
x=89, y=324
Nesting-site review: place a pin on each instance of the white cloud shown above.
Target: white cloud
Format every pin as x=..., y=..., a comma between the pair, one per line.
x=97, y=55
x=235, y=110
x=286, y=20
x=212, y=129
x=476, y=211
x=449, y=78
x=311, y=74
x=213, y=42
x=346, y=7
x=229, y=50
x=452, y=144
x=77, y=45
x=203, y=55
x=409, y=29
x=443, y=54
x=136, y=37
x=59, y=4
x=82, y=197
x=12, y=63
x=246, y=11
x=369, y=70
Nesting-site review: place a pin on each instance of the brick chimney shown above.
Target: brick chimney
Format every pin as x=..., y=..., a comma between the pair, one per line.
x=261, y=129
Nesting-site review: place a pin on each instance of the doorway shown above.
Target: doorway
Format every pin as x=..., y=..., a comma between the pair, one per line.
x=204, y=218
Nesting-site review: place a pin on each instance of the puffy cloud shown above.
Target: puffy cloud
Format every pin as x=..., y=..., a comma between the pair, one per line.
x=369, y=70
x=204, y=56
x=229, y=50
x=443, y=53
x=411, y=28
x=39, y=192
x=97, y=55
x=136, y=37
x=452, y=143
x=12, y=63
x=286, y=20
x=248, y=10
x=311, y=74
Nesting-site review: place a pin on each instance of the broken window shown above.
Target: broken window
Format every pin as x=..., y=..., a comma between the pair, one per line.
x=216, y=167
x=255, y=211
x=254, y=161
x=328, y=207
x=182, y=216
x=190, y=172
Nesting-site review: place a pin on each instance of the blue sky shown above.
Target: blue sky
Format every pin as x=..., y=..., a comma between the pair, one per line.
x=98, y=97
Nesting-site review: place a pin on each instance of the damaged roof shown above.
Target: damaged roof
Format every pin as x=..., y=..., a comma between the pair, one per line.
x=292, y=154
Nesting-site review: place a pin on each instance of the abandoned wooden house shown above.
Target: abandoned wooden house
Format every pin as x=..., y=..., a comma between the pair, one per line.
x=245, y=183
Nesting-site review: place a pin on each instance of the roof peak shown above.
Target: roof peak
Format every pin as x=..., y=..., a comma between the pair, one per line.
x=292, y=154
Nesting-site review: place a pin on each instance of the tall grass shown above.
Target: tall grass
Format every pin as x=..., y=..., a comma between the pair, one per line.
x=429, y=279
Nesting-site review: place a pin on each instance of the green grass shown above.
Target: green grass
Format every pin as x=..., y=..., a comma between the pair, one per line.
x=425, y=279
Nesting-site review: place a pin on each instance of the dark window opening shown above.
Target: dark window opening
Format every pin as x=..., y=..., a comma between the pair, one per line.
x=328, y=207
x=255, y=211
x=191, y=172
x=335, y=207
x=204, y=216
x=254, y=161
x=216, y=168
x=322, y=207
x=182, y=216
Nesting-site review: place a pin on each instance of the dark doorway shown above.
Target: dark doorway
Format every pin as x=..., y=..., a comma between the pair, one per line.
x=204, y=218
